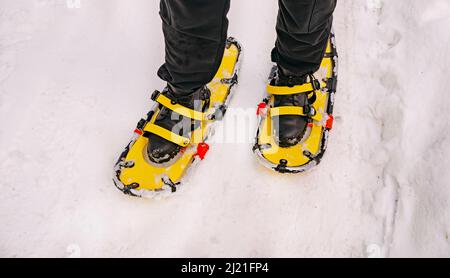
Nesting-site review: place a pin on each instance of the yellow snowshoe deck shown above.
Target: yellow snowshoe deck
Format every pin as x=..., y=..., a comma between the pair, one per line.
x=136, y=175
x=309, y=151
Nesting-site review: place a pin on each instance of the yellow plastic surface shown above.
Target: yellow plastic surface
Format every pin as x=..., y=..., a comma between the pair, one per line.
x=284, y=90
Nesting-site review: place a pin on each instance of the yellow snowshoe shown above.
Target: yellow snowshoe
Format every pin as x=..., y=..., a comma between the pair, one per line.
x=320, y=89
x=136, y=175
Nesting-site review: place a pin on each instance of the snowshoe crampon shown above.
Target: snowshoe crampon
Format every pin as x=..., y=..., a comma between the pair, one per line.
x=136, y=175
x=309, y=151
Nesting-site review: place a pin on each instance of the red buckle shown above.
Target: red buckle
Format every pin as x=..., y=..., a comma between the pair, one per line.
x=202, y=149
x=138, y=132
x=262, y=106
x=330, y=122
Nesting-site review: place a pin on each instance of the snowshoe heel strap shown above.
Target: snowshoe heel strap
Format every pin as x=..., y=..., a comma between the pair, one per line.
x=167, y=134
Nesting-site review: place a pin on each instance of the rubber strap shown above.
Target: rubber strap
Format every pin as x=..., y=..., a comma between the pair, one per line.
x=284, y=90
x=180, y=109
x=167, y=134
x=286, y=110
x=292, y=110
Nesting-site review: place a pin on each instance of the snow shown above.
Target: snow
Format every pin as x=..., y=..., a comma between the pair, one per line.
x=75, y=79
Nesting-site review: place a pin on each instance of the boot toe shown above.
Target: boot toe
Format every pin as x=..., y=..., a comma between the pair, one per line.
x=160, y=150
x=290, y=130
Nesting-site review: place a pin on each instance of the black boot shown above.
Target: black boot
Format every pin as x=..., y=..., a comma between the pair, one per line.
x=160, y=150
x=289, y=129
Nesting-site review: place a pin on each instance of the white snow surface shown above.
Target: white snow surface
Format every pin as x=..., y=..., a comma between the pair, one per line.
x=74, y=81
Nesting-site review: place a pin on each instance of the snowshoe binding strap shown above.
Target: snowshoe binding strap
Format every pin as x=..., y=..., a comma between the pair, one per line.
x=298, y=89
x=167, y=100
x=307, y=111
x=168, y=135
x=178, y=108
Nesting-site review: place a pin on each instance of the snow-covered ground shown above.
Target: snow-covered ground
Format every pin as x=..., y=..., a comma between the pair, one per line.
x=74, y=80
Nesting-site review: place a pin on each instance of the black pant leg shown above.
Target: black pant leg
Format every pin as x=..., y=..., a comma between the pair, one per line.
x=303, y=28
x=195, y=33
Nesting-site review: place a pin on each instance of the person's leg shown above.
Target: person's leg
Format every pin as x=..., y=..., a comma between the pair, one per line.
x=195, y=33
x=303, y=29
